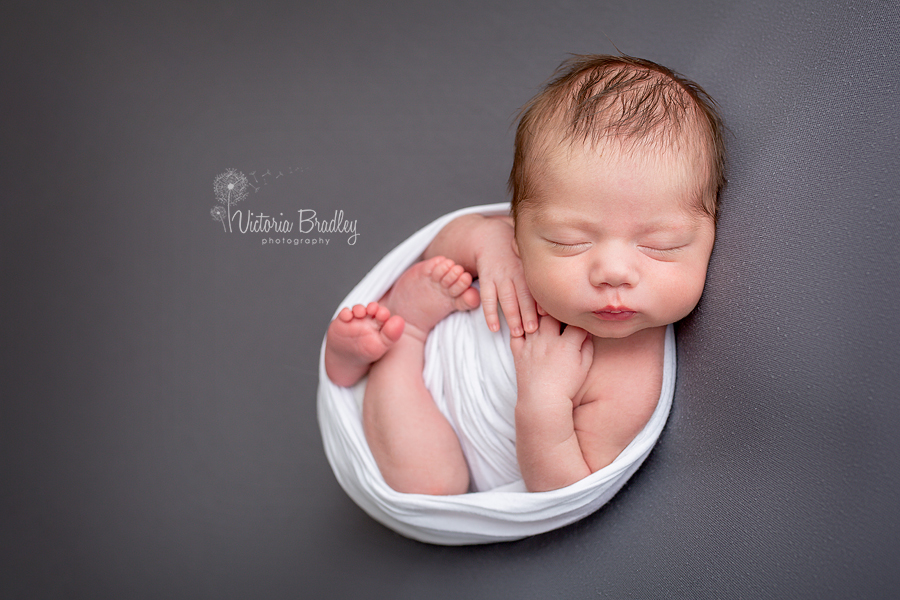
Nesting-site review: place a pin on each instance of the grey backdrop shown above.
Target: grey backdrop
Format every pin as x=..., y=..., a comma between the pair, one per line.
x=159, y=435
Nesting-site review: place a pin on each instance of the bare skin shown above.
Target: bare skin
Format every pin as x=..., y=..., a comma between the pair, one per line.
x=414, y=446
x=484, y=246
x=358, y=337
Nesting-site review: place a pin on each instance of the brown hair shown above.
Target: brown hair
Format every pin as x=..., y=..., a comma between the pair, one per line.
x=592, y=97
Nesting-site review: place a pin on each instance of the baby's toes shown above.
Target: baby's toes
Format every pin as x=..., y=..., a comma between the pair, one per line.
x=381, y=314
x=460, y=284
x=452, y=275
x=393, y=328
x=469, y=299
x=359, y=311
x=372, y=308
x=440, y=268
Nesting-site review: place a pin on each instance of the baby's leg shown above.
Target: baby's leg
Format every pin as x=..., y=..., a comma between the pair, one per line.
x=357, y=338
x=415, y=447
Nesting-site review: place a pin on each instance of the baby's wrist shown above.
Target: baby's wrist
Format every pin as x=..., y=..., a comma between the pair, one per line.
x=495, y=236
x=544, y=394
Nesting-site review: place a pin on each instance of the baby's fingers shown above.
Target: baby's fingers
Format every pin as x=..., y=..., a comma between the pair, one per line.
x=516, y=344
x=574, y=335
x=489, y=306
x=582, y=339
x=509, y=302
x=587, y=349
x=549, y=325
x=528, y=308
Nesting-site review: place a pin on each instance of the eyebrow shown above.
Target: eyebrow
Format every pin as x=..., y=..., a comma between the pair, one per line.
x=681, y=225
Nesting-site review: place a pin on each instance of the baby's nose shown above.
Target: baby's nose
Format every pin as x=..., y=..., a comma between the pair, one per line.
x=615, y=267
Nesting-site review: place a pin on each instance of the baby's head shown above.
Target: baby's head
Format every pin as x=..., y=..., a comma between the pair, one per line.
x=603, y=100
x=615, y=183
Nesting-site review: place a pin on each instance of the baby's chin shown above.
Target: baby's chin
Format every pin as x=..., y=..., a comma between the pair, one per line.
x=599, y=332
x=606, y=335
x=620, y=331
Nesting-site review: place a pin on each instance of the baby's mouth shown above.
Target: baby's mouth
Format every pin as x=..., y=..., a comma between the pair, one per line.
x=615, y=313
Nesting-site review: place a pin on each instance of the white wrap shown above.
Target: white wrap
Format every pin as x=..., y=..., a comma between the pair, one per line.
x=470, y=373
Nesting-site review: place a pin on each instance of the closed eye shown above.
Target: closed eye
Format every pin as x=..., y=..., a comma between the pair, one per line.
x=662, y=252
x=568, y=247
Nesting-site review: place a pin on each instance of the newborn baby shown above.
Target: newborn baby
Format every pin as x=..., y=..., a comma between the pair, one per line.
x=615, y=182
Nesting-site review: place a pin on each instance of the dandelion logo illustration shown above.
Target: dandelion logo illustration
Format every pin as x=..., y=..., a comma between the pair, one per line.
x=230, y=188
x=218, y=214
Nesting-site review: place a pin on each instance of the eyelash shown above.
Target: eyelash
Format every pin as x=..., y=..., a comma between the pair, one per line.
x=665, y=251
x=560, y=246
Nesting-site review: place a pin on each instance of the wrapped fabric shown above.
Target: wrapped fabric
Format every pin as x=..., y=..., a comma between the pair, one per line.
x=469, y=371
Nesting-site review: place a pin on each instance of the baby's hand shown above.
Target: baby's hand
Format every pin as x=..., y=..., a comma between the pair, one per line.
x=551, y=366
x=502, y=282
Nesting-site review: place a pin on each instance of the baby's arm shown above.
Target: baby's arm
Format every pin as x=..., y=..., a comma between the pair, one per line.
x=484, y=247
x=551, y=368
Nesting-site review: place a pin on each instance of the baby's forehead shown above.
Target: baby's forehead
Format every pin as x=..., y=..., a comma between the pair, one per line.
x=557, y=215
x=680, y=173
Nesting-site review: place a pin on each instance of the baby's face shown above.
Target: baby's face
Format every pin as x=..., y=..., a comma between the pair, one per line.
x=611, y=244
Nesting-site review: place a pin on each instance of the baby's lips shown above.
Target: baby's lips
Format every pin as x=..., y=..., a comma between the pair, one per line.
x=615, y=313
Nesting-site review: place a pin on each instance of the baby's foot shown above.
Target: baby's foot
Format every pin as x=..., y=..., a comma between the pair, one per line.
x=429, y=291
x=357, y=338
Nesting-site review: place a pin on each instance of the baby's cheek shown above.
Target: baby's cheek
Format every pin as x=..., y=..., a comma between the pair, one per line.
x=690, y=296
x=532, y=280
x=546, y=286
x=541, y=295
